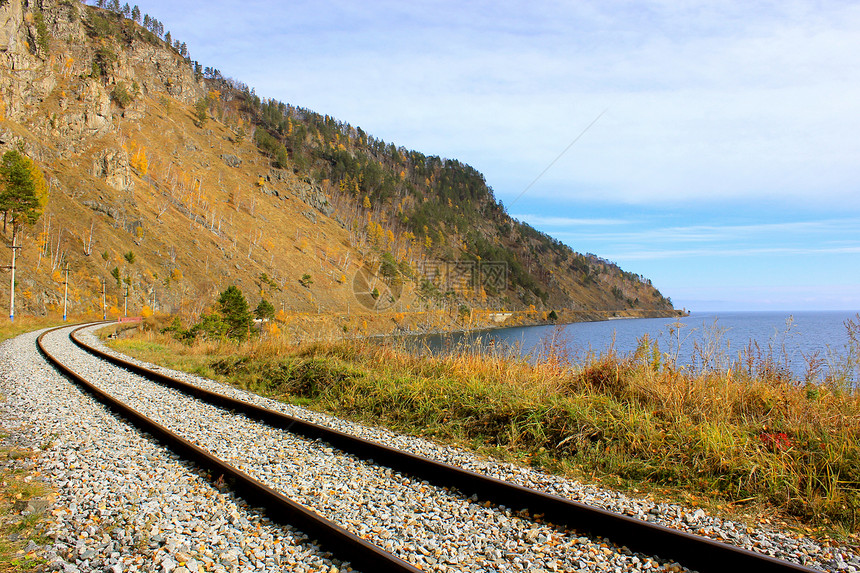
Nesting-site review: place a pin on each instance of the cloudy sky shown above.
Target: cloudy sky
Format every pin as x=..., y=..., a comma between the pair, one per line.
x=724, y=162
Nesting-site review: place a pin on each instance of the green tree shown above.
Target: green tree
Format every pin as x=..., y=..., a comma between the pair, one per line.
x=264, y=310
x=201, y=109
x=234, y=310
x=23, y=192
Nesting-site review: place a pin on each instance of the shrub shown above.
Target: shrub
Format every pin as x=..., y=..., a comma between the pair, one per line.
x=121, y=96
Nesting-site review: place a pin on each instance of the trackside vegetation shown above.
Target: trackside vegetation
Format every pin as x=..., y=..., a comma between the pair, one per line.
x=745, y=432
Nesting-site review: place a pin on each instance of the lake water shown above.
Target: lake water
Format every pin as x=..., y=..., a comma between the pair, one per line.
x=792, y=338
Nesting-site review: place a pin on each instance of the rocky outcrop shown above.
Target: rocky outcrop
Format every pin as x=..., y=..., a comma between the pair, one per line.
x=11, y=16
x=231, y=160
x=62, y=80
x=302, y=189
x=112, y=166
x=313, y=196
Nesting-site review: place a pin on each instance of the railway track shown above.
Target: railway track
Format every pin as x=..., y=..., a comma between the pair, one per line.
x=561, y=527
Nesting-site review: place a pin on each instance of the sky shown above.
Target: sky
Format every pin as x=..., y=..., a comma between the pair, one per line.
x=712, y=147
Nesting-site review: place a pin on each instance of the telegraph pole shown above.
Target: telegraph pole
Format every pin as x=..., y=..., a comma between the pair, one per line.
x=12, y=289
x=104, y=302
x=66, y=292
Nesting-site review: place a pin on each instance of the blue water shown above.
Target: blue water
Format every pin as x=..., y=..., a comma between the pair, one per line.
x=794, y=340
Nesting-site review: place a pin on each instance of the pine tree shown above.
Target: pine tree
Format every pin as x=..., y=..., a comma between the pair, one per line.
x=264, y=310
x=135, y=14
x=23, y=193
x=234, y=312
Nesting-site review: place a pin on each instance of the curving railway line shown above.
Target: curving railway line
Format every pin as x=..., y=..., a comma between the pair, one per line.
x=375, y=506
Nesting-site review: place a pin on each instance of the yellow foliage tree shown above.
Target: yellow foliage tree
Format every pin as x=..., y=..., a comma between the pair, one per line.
x=366, y=203
x=146, y=311
x=41, y=186
x=140, y=163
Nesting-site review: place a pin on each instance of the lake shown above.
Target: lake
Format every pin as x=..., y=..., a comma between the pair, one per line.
x=792, y=338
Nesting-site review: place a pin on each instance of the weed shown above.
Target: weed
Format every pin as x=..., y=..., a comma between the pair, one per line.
x=733, y=431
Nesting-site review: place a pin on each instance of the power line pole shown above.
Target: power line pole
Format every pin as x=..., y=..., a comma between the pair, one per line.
x=66, y=292
x=104, y=302
x=12, y=288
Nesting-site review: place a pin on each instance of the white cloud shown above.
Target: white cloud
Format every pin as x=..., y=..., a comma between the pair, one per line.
x=707, y=100
x=736, y=252
x=548, y=221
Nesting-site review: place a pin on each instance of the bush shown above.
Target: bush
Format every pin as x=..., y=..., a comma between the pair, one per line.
x=121, y=96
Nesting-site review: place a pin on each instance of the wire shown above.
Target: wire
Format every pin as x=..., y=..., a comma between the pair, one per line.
x=578, y=137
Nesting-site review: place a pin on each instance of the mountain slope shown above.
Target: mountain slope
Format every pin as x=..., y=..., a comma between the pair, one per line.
x=173, y=182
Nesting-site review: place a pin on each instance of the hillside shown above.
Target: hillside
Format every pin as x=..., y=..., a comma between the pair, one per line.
x=173, y=182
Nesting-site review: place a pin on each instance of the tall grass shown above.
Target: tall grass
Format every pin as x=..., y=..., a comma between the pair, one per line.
x=22, y=324
x=734, y=429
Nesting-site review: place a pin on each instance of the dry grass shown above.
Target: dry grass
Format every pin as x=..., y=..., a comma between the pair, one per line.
x=22, y=324
x=17, y=531
x=746, y=431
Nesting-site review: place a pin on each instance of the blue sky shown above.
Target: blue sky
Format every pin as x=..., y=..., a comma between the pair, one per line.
x=725, y=168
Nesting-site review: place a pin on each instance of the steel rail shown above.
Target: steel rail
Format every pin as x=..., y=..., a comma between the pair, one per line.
x=692, y=551
x=340, y=542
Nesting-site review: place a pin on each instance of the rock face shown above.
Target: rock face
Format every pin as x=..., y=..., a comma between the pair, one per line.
x=231, y=160
x=51, y=84
x=11, y=16
x=112, y=166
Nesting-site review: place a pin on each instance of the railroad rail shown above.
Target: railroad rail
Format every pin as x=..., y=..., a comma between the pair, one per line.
x=279, y=508
x=692, y=551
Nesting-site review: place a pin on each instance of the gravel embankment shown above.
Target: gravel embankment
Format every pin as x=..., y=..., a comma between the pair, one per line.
x=110, y=514
x=122, y=502
x=429, y=526
x=762, y=539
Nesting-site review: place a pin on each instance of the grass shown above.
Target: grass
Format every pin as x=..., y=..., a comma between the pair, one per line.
x=745, y=433
x=24, y=324
x=16, y=531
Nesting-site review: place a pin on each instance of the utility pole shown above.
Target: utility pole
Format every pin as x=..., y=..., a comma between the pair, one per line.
x=12, y=288
x=104, y=302
x=66, y=292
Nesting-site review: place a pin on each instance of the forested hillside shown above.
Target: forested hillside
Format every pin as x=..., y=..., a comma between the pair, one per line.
x=169, y=182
